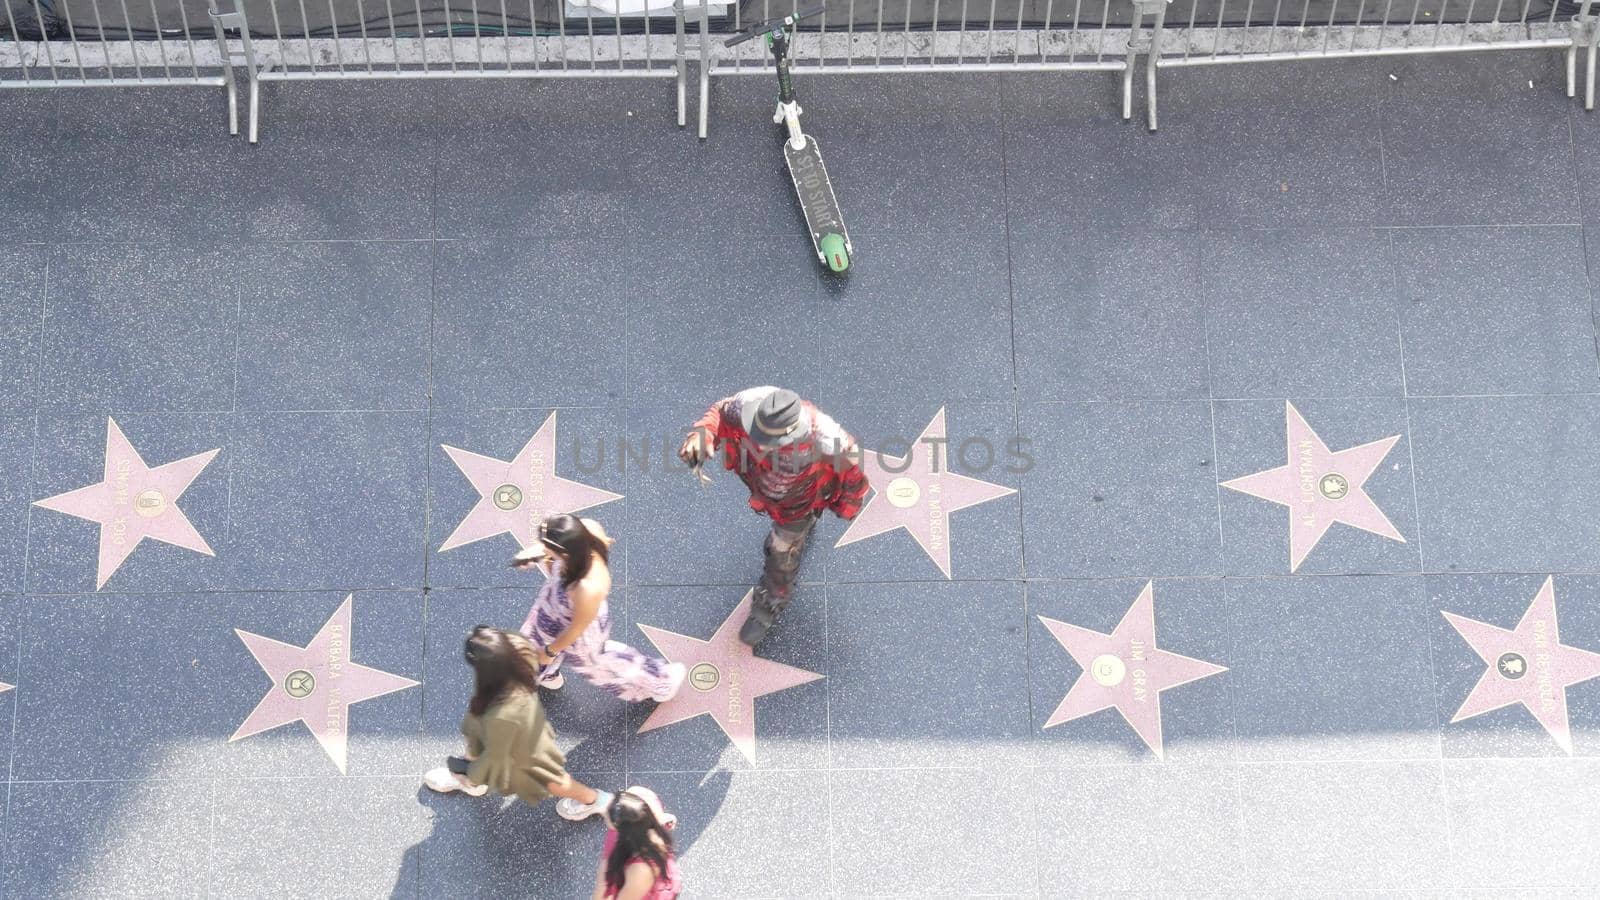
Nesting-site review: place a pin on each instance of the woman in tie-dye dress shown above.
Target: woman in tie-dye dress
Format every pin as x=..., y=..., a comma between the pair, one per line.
x=569, y=622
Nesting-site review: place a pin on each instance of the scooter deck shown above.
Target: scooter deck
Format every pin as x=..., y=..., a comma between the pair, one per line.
x=817, y=201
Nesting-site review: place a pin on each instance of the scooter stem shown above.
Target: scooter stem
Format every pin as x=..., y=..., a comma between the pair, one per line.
x=789, y=114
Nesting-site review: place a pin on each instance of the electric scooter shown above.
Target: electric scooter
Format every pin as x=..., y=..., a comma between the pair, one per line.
x=810, y=176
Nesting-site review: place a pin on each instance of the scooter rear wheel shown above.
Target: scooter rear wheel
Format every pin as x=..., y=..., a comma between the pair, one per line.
x=834, y=252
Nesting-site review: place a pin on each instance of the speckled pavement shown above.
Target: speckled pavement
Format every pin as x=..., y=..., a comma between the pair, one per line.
x=1063, y=656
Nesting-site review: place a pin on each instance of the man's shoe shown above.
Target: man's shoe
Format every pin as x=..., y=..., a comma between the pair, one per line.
x=760, y=620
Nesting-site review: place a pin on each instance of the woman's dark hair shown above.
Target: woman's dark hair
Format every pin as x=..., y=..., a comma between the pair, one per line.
x=503, y=661
x=568, y=534
x=639, y=836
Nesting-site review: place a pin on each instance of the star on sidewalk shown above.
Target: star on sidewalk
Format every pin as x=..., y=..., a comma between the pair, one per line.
x=1125, y=670
x=5, y=687
x=1321, y=487
x=515, y=496
x=315, y=684
x=1528, y=665
x=918, y=493
x=133, y=502
x=724, y=679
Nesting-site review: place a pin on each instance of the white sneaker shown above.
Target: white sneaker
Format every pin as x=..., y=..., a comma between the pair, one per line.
x=676, y=672
x=553, y=682
x=573, y=811
x=445, y=781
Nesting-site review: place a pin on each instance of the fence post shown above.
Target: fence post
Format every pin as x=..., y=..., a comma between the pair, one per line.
x=681, y=57
x=1151, y=48
x=218, y=21
x=1594, y=43
x=251, y=72
x=705, y=66
x=1584, y=30
x=1577, y=28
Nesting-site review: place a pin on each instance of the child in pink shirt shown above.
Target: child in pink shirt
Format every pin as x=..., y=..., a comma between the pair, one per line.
x=637, y=862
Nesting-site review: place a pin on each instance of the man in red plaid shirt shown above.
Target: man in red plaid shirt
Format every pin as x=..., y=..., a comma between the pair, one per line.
x=797, y=462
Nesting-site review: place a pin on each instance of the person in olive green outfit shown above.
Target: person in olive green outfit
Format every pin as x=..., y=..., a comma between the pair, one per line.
x=511, y=748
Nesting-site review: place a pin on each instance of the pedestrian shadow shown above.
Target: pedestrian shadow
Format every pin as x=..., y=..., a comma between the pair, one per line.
x=502, y=847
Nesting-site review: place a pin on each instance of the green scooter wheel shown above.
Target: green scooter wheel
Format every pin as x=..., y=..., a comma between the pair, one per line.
x=834, y=252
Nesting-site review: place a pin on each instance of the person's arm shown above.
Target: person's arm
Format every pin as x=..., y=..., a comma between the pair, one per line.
x=638, y=879
x=600, y=880
x=529, y=629
x=853, y=483
x=705, y=435
x=587, y=595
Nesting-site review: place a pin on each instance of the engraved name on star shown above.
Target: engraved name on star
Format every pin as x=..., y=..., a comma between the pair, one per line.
x=724, y=679
x=1527, y=665
x=315, y=684
x=1124, y=670
x=918, y=493
x=514, y=497
x=133, y=501
x=1321, y=487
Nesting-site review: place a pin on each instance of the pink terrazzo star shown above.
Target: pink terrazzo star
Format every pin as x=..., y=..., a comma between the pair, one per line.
x=724, y=680
x=1321, y=487
x=1528, y=665
x=1124, y=669
x=5, y=687
x=315, y=684
x=133, y=502
x=918, y=493
x=515, y=496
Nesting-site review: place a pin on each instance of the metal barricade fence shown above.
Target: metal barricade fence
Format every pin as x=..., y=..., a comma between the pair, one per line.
x=47, y=43
x=403, y=39
x=908, y=36
x=77, y=43
x=1214, y=32
x=84, y=43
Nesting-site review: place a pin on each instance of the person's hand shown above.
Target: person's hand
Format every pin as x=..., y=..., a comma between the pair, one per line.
x=696, y=448
x=544, y=658
x=529, y=558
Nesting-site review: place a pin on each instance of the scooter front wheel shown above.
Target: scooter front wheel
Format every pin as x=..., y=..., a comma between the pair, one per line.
x=834, y=252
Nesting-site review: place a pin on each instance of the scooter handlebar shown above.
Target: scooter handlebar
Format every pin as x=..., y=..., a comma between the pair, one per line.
x=756, y=31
